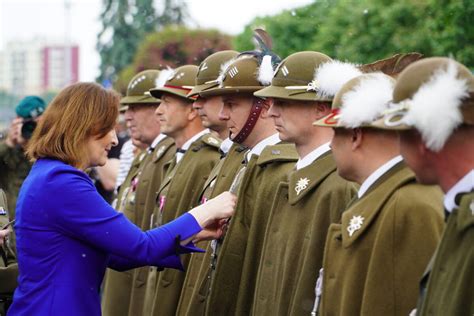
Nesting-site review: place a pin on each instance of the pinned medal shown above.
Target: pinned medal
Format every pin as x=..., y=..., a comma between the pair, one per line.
x=355, y=224
x=301, y=185
x=2, y=211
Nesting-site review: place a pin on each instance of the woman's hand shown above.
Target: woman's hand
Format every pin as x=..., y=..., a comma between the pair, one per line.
x=209, y=213
x=215, y=230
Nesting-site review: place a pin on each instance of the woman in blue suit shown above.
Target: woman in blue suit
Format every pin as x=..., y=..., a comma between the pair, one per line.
x=67, y=235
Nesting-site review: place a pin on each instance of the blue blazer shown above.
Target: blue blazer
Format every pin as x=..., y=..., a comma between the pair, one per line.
x=67, y=235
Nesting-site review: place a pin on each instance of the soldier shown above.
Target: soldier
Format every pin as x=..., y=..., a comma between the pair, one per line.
x=221, y=177
x=434, y=112
x=307, y=202
x=374, y=257
x=8, y=265
x=266, y=163
x=136, y=195
x=197, y=154
x=14, y=166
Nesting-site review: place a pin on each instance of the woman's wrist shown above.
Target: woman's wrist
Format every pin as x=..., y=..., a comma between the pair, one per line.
x=201, y=216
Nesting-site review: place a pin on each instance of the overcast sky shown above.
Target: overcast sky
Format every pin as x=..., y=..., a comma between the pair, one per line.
x=27, y=19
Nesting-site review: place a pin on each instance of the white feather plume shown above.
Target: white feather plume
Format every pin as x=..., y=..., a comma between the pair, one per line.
x=332, y=75
x=366, y=101
x=435, y=108
x=223, y=69
x=265, y=71
x=164, y=75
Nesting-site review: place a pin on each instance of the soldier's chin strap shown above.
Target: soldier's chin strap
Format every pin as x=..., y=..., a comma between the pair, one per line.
x=257, y=107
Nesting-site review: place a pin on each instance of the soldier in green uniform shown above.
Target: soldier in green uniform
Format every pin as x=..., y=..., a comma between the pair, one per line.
x=14, y=166
x=197, y=153
x=307, y=202
x=220, y=178
x=434, y=112
x=8, y=265
x=266, y=163
x=136, y=195
x=373, y=258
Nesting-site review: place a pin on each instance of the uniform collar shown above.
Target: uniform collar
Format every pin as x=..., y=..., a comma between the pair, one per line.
x=187, y=144
x=158, y=139
x=225, y=145
x=377, y=174
x=466, y=184
x=257, y=149
x=312, y=156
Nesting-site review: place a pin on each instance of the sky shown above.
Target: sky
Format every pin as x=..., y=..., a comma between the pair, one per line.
x=28, y=19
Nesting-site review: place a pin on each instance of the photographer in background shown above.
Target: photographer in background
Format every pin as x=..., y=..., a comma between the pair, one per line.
x=14, y=166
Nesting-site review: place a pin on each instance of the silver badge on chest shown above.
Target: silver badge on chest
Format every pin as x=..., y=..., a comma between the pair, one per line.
x=355, y=224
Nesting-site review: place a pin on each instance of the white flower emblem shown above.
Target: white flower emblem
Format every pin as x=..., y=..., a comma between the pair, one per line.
x=471, y=206
x=160, y=151
x=355, y=224
x=301, y=185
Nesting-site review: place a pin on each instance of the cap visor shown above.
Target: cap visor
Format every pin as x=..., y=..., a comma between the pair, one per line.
x=139, y=99
x=229, y=90
x=199, y=88
x=157, y=93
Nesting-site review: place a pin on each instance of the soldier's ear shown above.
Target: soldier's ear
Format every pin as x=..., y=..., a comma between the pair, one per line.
x=356, y=138
x=266, y=103
x=193, y=114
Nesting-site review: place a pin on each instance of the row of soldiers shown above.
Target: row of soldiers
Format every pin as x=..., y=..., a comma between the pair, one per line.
x=330, y=220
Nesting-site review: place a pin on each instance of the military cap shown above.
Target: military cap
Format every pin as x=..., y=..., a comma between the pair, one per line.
x=393, y=65
x=179, y=83
x=361, y=101
x=435, y=96
x=210, y=69
x=30, y=107
x=138, y=87
x=294, y=78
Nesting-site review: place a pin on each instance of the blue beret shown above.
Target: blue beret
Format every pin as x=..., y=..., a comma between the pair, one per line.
x=30, y=107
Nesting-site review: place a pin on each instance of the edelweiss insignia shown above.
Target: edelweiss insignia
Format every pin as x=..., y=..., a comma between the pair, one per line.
x=160, y=151
x=213, y=141
x=301, y=185
x=355, y=224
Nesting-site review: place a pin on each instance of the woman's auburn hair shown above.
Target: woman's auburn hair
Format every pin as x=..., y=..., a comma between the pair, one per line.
x=78, y=112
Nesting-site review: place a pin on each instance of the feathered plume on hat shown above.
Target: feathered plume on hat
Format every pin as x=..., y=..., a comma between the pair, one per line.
x=331, y=76
x=223, y=69
x=164, y=75
x=435, y=109
x=367, y=101
x=267, y=59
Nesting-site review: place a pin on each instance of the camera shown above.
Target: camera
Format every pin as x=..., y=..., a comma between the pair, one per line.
x=28, y=128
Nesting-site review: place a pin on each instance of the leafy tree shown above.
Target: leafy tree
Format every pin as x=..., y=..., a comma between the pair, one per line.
x=173, y=47
x=366, y=30
x=124, y=25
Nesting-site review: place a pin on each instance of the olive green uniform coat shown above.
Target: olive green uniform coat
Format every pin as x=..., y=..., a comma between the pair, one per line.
x=191, y=301
x=451, y=280
x=376, y=271
x=8, y=265
x=180, y=192
x=295, y=236
x=238, y=258
x=117, y=285
x=152, y=173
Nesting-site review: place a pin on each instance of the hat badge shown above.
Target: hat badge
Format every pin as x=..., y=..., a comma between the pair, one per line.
x=285, y=71
x=301, y=185
x=233, y=72
x=355, y=224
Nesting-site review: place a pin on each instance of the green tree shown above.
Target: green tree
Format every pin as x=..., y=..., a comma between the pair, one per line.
x=367, y=30
x=173, y=47
x=124, y=25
